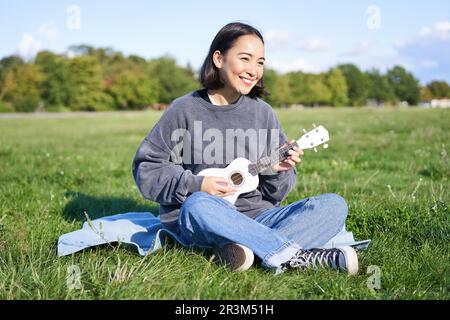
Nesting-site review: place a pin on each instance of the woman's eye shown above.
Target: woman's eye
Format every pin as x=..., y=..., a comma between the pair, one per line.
x=245, y=59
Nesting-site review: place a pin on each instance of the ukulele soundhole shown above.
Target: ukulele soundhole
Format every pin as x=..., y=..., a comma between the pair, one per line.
x=236, y=178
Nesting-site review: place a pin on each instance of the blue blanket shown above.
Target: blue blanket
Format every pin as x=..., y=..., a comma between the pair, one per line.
x=146, y=234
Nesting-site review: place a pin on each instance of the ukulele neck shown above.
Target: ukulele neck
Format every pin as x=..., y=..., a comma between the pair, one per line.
x=268, y=161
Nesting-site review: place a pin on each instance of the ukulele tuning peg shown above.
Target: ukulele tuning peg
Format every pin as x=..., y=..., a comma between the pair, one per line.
x=314, y=125
x=304, y=130
x=325, y=145
x=315, y=149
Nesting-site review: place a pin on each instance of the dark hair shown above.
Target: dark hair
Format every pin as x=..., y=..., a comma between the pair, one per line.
x=223, y=41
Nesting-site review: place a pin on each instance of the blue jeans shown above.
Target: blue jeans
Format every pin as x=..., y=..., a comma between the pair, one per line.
x=275, y=235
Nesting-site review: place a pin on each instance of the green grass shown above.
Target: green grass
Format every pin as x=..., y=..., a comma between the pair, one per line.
x=391, y=165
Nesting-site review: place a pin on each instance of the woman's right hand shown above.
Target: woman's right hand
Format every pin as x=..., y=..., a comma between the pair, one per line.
x=217, y=186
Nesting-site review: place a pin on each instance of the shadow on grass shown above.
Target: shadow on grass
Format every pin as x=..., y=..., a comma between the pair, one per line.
x=97, y=207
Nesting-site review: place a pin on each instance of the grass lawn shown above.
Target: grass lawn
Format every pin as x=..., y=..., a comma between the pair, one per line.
x=392, y=166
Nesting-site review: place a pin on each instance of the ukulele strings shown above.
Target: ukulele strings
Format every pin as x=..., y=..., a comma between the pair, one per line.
x=266, y=162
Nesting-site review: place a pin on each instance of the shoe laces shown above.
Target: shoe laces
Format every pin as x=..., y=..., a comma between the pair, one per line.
x=304, y=259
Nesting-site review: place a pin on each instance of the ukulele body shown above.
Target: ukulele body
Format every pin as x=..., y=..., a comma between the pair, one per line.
x=237, y=175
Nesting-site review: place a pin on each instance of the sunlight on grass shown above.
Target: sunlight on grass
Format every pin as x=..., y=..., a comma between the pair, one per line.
x=391, y=166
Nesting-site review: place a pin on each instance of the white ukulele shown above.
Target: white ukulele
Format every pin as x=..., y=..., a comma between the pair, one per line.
x=244, y=175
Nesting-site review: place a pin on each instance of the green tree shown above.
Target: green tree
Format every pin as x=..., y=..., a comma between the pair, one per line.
x=271, y=79
x=21, y=87
x=111, y=62
x=320, y=94
x=308, y=89
x=405, y=86
x=87, y=83
x=296, y=87
x=337, y=85
x=379, y=88
x=137, y=60
x=357, y=84
x=56, y=87
x=7, y=63
x=425, y=94
x=174, y=81
x=282, y=92
x=133, y=91
x=439, y=89
x=126, y=80
x=102, y=54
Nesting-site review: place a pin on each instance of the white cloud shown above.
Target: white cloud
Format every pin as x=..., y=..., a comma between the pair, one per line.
x=299, y=64
x=400, y=43
x=429, y=64
x=428, y=51
x=425, y=31
x=31, y=44
x=48, y=31
x=285, y=38
x=28, y=46
x=442, y=26
x=440, y=30
x=277, y=36
x=313, y=44
x=360, y=48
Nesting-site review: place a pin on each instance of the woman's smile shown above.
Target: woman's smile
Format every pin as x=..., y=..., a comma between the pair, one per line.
x=247, y=82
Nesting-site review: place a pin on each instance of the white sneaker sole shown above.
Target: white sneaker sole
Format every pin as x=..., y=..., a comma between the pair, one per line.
x=351, y=260
x=238, y=257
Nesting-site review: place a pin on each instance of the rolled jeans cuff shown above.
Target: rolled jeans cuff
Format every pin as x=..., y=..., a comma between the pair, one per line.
x=283, y=254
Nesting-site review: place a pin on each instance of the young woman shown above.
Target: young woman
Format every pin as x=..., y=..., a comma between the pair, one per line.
x=199, y=131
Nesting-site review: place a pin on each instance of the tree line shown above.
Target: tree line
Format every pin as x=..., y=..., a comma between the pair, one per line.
x=100, y=79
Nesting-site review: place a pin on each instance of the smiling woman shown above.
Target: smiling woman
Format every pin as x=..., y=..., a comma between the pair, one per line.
x=241, y=64
x=234, y=65
x=303, y=234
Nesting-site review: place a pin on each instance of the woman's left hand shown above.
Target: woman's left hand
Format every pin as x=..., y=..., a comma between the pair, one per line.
x=291, y=161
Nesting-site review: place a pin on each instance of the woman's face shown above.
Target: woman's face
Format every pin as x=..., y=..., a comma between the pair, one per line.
x=243, y=64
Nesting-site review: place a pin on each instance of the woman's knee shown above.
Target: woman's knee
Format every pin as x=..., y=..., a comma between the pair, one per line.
x=193, y=200
x=340, y=205
x=193, y=207
x=335, y=204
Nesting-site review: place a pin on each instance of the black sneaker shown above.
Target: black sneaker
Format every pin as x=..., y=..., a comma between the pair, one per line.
x=236, y=256
x=343, y=258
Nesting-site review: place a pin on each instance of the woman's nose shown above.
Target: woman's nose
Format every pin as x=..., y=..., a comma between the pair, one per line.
x=251, y=70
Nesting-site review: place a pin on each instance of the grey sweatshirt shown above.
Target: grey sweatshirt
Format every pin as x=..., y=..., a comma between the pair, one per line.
x=192, y=135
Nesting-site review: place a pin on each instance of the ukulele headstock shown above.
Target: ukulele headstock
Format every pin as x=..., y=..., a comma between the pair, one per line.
x=313, y=138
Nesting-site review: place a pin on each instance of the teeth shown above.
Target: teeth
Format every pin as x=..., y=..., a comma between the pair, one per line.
x=246, y=80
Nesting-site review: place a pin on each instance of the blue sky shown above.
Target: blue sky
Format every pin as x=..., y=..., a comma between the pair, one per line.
x=300, y=35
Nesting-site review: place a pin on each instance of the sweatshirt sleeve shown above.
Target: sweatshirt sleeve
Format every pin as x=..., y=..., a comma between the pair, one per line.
x=157, y=177
x=275, y=187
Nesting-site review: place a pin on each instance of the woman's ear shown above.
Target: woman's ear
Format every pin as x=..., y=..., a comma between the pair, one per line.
x=217, y=59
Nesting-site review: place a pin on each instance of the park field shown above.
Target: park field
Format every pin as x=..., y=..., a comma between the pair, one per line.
x=391, y=165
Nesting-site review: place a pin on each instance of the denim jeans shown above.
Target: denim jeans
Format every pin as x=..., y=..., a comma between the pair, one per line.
x=275, y=235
